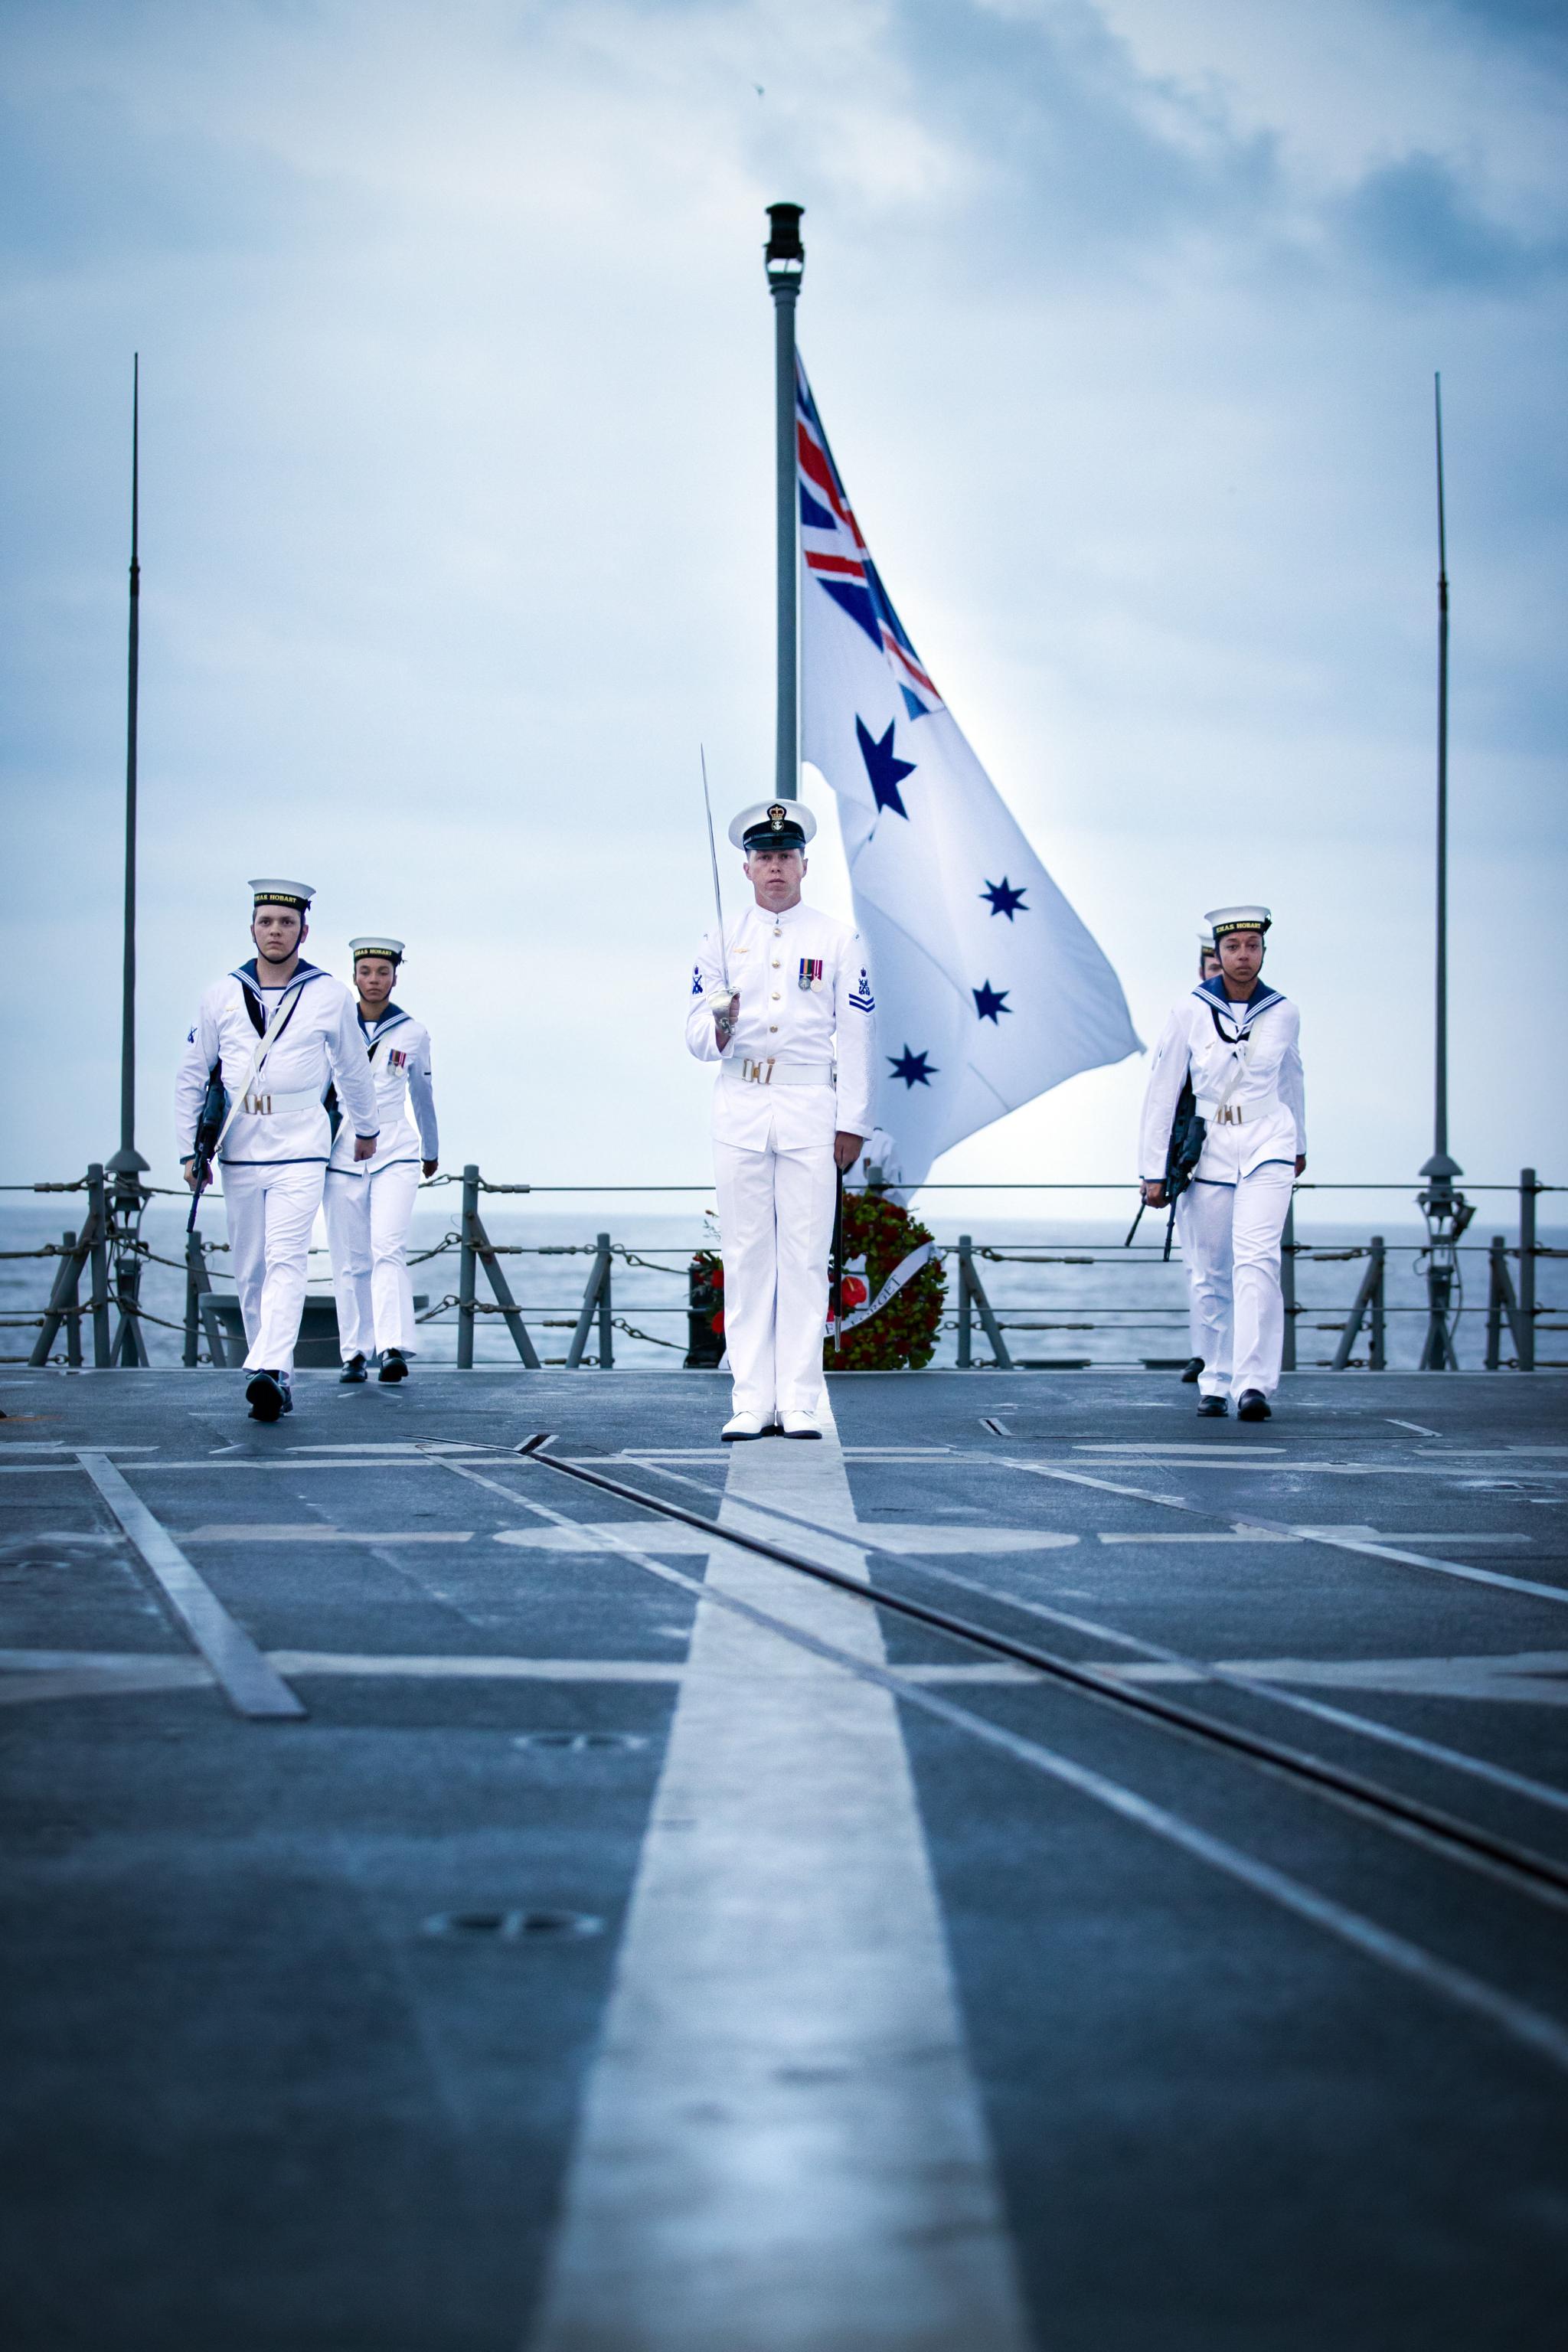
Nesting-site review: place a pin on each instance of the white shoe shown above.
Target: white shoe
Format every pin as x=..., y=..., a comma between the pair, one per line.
x=799, y=1424
x=743, y=1424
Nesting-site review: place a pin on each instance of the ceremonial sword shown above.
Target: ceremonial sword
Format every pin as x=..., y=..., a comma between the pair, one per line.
x=717, y=901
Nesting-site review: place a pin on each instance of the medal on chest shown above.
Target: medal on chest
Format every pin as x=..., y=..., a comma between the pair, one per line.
x=396, y=1061
x=810, y=971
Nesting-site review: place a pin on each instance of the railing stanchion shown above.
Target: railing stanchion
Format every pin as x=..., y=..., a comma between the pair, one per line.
x=606, y=1328
x=1528, y=1189
x=192, y=1353
x=72, y=1267
x=1288, y=1289
x=1377, y=1354
x=966, y=1305
x=1497, y=1279
x=97, y=1226
x=466, y=1268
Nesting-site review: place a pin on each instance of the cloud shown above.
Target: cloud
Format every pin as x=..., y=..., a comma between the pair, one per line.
x=1415, y=222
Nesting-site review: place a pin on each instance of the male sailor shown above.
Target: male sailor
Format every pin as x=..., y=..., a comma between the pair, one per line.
x=782, y=1000
x=274, y=1031
x=370, y=1204
x=1239, y=1039
x=1208, y=969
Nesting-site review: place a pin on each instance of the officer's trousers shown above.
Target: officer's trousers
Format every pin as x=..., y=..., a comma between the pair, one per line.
x=1196, y=1336
x=776, y=1224
x=270, y=1212
x=368, y=1219
x=1233, y=1236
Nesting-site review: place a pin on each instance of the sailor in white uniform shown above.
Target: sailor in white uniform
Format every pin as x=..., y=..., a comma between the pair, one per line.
x=1239, y=1039
x=1208, y=969
x=370, y=1203
x=275, y=1030
x=783, y=1003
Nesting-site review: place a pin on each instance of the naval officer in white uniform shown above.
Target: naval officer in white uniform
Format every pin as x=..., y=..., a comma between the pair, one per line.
x=276, y=1030
x=784, y=1004
x=1239, y=1039
x=370, y=1203
x=1208, y=969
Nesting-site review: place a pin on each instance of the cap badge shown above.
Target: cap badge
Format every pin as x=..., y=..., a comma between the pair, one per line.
x=778, y=816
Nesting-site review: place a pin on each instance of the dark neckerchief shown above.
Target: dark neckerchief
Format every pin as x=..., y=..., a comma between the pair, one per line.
x=251, y=983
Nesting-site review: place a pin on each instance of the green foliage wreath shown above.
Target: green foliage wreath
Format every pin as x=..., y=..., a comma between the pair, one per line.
x=905, y=1330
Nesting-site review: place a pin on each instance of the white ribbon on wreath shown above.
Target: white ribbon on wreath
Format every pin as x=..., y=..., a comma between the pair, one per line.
x=903, y=1272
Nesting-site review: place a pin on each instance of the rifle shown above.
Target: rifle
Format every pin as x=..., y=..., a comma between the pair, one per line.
x=209, y=1133
x=835, y=1261
x=1189, y=1132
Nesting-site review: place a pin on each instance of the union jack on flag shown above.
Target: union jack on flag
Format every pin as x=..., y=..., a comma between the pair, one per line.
x=834, y=551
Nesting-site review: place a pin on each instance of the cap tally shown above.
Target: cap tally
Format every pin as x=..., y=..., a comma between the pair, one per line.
x=1221, y=920
x=773, y=824
x=377, y=943
x=273, y=893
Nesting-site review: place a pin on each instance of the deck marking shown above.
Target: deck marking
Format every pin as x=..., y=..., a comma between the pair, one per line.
x=897, y=1535
x=780, y=2142
x=461, y=1667
x=252, y=1687
x=1164, y=1665
x=1527, y=2026
x=1394, y=1423
x=312, y=1531
x=1313, y=1535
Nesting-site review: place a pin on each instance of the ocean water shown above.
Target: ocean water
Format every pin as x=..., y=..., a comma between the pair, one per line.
x=1064, y=1290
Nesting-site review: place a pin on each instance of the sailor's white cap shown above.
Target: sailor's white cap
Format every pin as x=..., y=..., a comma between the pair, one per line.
x=773, y=824
x=1221, y=920
x=1206, y=940
x=377, y=943
x=271, y=892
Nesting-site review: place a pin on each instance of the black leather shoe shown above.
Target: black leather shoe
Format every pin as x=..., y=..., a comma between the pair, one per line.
x=1252, y=1405
x=394, y=1365
x=265, y=1395
x=1191, y=1369
x=1212, y=1408
x=353, y=1372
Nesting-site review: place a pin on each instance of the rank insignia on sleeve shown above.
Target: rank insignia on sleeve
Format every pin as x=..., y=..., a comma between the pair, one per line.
x=696, y=980
x=810, y=971
x=860, y=995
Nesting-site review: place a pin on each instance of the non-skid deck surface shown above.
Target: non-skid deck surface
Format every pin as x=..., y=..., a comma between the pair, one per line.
x=633, y=1944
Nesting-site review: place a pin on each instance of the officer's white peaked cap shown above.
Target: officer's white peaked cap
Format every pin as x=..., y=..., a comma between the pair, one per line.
x=1221, y=920
x=377, y=943
x=773, y=824
x=271, y=892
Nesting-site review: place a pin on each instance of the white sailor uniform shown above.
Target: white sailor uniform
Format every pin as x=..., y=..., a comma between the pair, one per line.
x=273, y=1157
x=1246, y=1066
x=798, y=1070
x=370, y=1202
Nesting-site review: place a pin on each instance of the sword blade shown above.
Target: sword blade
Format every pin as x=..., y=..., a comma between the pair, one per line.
x=713, y=861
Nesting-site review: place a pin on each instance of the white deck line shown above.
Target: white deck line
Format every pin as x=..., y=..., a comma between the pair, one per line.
x=1308, y=1535
x=252, y=1687
x=782, y=2145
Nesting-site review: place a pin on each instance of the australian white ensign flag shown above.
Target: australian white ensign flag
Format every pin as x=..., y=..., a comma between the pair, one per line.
x=989, y=989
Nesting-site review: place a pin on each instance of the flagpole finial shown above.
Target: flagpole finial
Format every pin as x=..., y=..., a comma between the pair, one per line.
x=784, y=252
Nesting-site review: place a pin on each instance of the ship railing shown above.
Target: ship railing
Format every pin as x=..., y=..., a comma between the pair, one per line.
x=108, y=1248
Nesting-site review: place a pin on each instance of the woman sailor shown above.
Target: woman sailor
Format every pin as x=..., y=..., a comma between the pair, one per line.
x=1240, y=1040
x=370, y=1206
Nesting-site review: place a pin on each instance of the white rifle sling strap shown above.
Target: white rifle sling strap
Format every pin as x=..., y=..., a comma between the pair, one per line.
x=263, y=1046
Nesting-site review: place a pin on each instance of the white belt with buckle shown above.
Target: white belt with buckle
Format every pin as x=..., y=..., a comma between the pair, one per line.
x=1235, y=1114
x=262, y=1106
x=743, y=1071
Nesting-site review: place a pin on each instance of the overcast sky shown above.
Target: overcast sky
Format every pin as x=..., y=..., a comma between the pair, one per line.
x=457, y=515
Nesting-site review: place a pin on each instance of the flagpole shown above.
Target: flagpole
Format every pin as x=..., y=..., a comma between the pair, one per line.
x=1446, y=1211
x=785, y=259
x=127, y=1201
